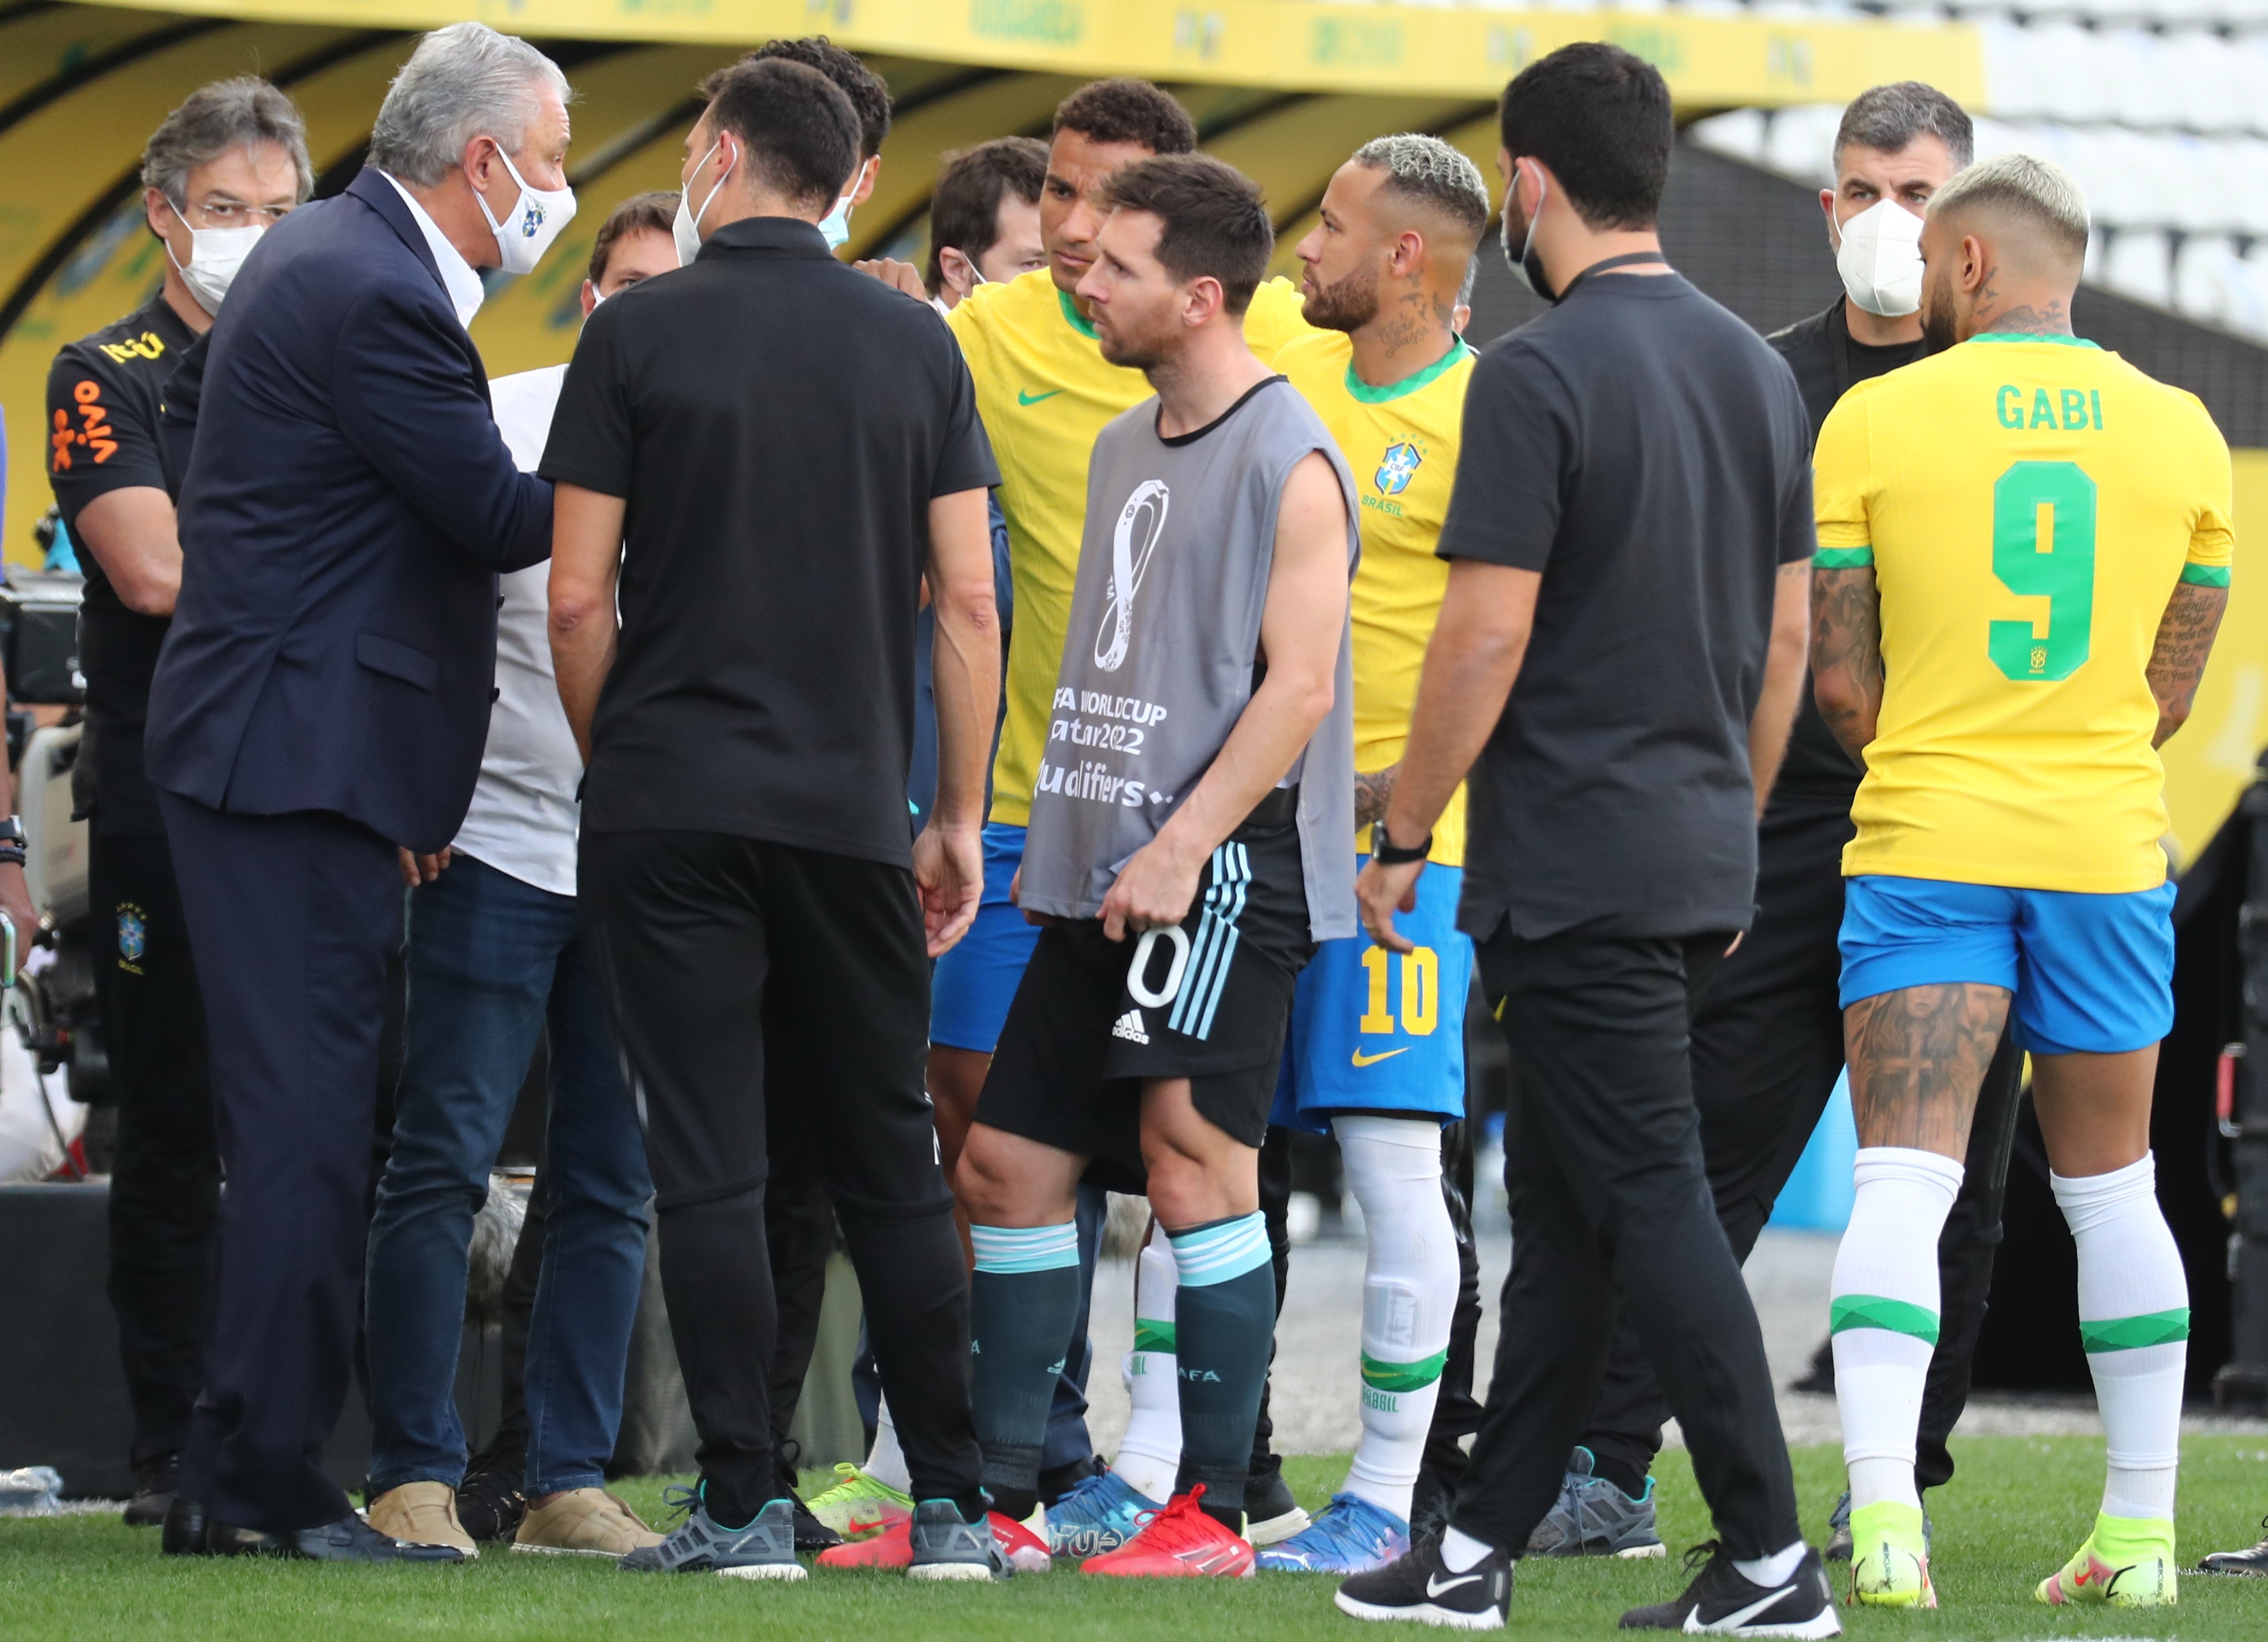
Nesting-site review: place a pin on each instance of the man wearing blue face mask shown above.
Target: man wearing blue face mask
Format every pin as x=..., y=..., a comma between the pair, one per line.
x=317, y=717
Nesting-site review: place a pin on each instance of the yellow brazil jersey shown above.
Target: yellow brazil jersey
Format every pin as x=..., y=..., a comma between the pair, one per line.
x=1044, y=392
x=1401, y=440
x=2030, y=504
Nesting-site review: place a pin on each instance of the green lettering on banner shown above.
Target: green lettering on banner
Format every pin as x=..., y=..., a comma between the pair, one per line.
x=1354, y=42
x=2131, y=1334
x=1650, y=41
x=2056, y=564
x=1031, y=22
x=1878, y=1311
x=2008, y=405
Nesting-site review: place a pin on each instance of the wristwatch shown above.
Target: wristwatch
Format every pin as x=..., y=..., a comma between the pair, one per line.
x=1385, y=852
x=11, y=842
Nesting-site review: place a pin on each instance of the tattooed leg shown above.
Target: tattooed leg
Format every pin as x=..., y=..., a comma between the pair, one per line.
x=1917, y=1058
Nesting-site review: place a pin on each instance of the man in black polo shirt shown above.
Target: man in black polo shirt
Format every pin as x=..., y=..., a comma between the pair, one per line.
x=219, y=170
x=769, y=451
x=1616, y=665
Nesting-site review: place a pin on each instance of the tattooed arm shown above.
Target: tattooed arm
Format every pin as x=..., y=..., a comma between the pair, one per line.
x=2185, y=638
x=1846, y=654
x=1374, y=790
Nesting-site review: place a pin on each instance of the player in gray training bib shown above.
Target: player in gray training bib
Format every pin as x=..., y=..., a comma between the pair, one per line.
x=1165, y=627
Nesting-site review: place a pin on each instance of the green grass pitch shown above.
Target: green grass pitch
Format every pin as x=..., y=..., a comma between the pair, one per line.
x=2017, y=1508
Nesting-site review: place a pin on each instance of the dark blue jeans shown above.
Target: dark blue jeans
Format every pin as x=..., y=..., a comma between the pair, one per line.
x=490, y=959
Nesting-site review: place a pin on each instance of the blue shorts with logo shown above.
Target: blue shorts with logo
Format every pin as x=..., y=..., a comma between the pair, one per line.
x=2091, y=974
x=974, y=982
x=1378, y=1031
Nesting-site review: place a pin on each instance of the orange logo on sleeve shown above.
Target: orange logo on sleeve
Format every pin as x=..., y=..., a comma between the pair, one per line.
x=95, y=433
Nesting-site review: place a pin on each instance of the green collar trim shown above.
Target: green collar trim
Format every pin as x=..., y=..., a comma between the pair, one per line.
x=1364, y=393
x=2021, y=336
x=1071, y=315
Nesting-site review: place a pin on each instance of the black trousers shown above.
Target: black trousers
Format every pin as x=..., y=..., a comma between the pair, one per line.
x=1767, y=1049
x=733, y=965
x=164, y=1186
x=1611, y=1214
x=292, y=918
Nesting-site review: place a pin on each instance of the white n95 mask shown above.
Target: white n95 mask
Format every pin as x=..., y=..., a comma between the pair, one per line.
x=1880, y=259
x=685, y=227
x=215, y=254
x=534, y=222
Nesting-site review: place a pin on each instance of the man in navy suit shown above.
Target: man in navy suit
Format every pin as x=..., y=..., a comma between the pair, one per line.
x=318, y=715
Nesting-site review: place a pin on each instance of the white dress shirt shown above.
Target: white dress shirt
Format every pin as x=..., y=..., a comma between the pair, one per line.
x=459, y=279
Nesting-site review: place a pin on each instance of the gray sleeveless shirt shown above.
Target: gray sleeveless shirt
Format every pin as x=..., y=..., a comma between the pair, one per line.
x=1159, y=664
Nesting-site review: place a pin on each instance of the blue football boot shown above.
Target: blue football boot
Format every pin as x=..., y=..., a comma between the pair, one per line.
x=1100, y=1514
x=1349, y=1536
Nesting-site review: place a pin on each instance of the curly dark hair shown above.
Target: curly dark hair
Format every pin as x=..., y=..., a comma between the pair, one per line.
x=869, y=96
x=1128, y=111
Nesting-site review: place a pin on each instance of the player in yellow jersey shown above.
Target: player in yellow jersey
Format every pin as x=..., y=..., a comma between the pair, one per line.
x=2024, y=551
x=1376, y=1053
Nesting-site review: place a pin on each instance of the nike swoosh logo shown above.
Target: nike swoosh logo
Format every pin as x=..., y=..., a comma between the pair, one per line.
x=1436, y=1586
x=1023, y=398
x=1732, y=1622
x=1361, y=1059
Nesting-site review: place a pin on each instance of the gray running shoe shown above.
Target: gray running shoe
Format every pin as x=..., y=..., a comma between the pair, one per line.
x=2253, y=1561
x=1593, y=1517
x=1838, y=1531
x=946, y=1546
x=765, y=1550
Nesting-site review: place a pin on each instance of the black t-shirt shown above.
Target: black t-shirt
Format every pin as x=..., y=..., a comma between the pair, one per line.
x=1645, y=452
x=104, y=394
x=778, y=425
x=1828, y=362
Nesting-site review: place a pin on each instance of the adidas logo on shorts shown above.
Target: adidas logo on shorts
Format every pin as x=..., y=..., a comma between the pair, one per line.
x=1129, y=1027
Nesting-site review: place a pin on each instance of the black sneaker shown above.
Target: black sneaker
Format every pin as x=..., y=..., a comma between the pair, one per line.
x=812, y=1535
x=1059, y=1480
x=1419, y=1585
x=1270, y=1513
x=154, y=1482
x=1723, y=1601
x=490, y=1504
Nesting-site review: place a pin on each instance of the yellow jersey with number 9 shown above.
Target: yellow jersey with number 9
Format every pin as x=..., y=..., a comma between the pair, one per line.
x=1401, y=441
x=1044, y=392
x=2029, y=504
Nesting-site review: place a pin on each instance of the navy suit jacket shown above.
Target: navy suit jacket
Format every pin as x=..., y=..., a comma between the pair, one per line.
x=348, y=505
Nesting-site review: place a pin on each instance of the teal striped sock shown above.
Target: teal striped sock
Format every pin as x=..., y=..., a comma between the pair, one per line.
x=1225, y=1322
x=1022, y=1303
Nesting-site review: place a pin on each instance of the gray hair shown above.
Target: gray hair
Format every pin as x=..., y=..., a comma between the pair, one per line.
x=1428, y=170
x=463, y=82
x=1887, y=118
x=2022, y=185
x=245, y=112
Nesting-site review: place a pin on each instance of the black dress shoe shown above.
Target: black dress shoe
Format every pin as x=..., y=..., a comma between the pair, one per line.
x=183, y=1534
x=154, y=1482
x=349, y=1539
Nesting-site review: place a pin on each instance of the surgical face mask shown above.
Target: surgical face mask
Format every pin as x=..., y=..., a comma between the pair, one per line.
x=1880, y=259
x=533, y=224
x=837, y=224
x=1526, y=262
x=685, y=227
x=215, y=254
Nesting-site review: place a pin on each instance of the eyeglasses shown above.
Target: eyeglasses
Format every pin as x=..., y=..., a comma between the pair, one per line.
x=220, y=211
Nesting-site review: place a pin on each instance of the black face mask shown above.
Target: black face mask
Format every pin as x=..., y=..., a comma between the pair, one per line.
x=1526, y=262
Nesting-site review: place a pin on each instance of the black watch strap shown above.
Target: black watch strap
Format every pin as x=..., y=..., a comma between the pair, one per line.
x=1385, y=852
x=11, y=842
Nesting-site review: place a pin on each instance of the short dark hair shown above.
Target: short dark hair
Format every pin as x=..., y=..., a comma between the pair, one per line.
x=652, y=212
x=1216, y=224
x=800, y=130
x=1128, y=111
x=869, y=94
x=1888, y=117
x=965, y=212
x=1599, y=119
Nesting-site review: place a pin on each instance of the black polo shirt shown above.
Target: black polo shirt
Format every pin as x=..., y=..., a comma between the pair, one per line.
x=104, y=393
x=1648, y=454
x=778, y=424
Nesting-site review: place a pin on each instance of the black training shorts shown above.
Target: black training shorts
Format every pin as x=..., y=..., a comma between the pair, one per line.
x=1093, y=1018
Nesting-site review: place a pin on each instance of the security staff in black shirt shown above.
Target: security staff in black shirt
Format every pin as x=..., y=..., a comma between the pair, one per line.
x=1768, y=1035
x=217, y=172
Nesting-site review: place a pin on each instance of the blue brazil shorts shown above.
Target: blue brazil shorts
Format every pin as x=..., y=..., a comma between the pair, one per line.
x=1379, y=1031
x=974, y=982
x=2091, y=974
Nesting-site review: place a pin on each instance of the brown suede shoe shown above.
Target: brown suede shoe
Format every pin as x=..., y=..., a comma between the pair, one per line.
x=583, y=1522
x=424, y=1513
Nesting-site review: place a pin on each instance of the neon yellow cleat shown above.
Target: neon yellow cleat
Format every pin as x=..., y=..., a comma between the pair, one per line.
x=2127, y=1562
x=1889, y=1558
x=859, y=1506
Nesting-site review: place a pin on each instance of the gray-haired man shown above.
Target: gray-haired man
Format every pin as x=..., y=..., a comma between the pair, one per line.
x=218, y=172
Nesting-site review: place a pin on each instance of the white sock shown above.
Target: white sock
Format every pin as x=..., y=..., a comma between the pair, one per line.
x=1409, y=1297
x=1883, y=1314
x=2134, y=1318
x=1460, y=1551
x=1777, y=1569
x=888, y=1461
x=1149, y=1458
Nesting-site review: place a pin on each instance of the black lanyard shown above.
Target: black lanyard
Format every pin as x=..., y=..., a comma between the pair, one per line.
x=1624, y=261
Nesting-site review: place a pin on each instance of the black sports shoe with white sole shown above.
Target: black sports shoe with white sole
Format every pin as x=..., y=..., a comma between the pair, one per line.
x=1723, y=1601
x=1421, y=1587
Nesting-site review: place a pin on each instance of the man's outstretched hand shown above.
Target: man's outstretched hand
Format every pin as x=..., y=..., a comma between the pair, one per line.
x=901, y=276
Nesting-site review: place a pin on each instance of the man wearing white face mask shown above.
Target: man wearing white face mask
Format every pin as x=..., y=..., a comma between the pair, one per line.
x=219, y=170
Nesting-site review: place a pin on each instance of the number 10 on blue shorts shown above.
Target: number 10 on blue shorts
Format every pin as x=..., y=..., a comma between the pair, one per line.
x=1379, y=1031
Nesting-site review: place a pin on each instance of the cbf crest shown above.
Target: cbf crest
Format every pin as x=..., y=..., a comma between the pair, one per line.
x=133, y=934
x=1397, y=467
